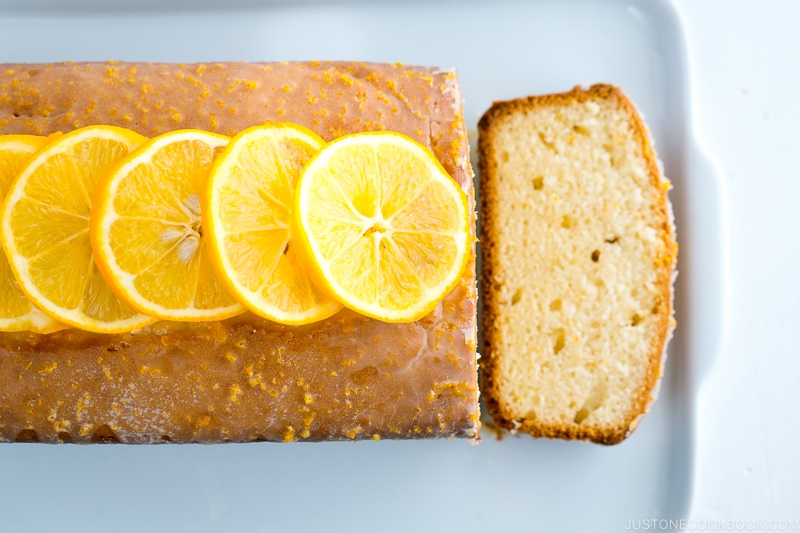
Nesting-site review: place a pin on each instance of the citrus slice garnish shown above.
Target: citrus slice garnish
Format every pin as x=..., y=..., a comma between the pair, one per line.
x=385, y=229
x=45, y=229
x=247, y=212
x=17, y=312
x=147, y=233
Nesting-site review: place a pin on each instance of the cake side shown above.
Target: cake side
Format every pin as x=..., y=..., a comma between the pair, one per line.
x=244, y=379
x=578, y=258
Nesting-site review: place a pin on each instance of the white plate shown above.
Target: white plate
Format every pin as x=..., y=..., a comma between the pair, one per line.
x=501, y=50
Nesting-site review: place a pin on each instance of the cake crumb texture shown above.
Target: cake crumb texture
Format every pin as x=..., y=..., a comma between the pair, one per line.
x=579, y=252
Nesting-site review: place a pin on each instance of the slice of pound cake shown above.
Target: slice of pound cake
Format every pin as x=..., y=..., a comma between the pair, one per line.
x=579, y=255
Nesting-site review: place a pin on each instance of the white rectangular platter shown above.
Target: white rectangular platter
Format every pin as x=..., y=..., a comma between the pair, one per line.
x=502, y=50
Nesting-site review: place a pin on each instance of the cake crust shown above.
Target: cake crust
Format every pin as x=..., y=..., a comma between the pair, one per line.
x=245, y=379
x=495, y=397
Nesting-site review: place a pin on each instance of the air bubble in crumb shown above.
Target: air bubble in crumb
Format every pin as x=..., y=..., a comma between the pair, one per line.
x=517, y=297
x=594, y=400
x=560, y=340
x=583, y=130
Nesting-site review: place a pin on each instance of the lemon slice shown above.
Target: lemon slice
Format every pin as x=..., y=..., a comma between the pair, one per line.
x=45, y=229
x=17, y=312
x=247, y=211
x=385, y=229
x=147, y=233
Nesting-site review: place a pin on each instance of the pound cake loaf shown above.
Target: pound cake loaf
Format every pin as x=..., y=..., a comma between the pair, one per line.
x=578, y=256
x=245, y=378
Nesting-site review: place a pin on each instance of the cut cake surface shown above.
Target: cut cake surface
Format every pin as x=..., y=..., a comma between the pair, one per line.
x=578, y=252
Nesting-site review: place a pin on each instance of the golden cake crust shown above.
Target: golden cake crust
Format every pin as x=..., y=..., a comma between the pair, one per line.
x=492, y=306
x=245, y=379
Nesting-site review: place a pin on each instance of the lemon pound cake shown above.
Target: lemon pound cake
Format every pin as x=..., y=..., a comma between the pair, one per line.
x=347, y=377
x=578, y=252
